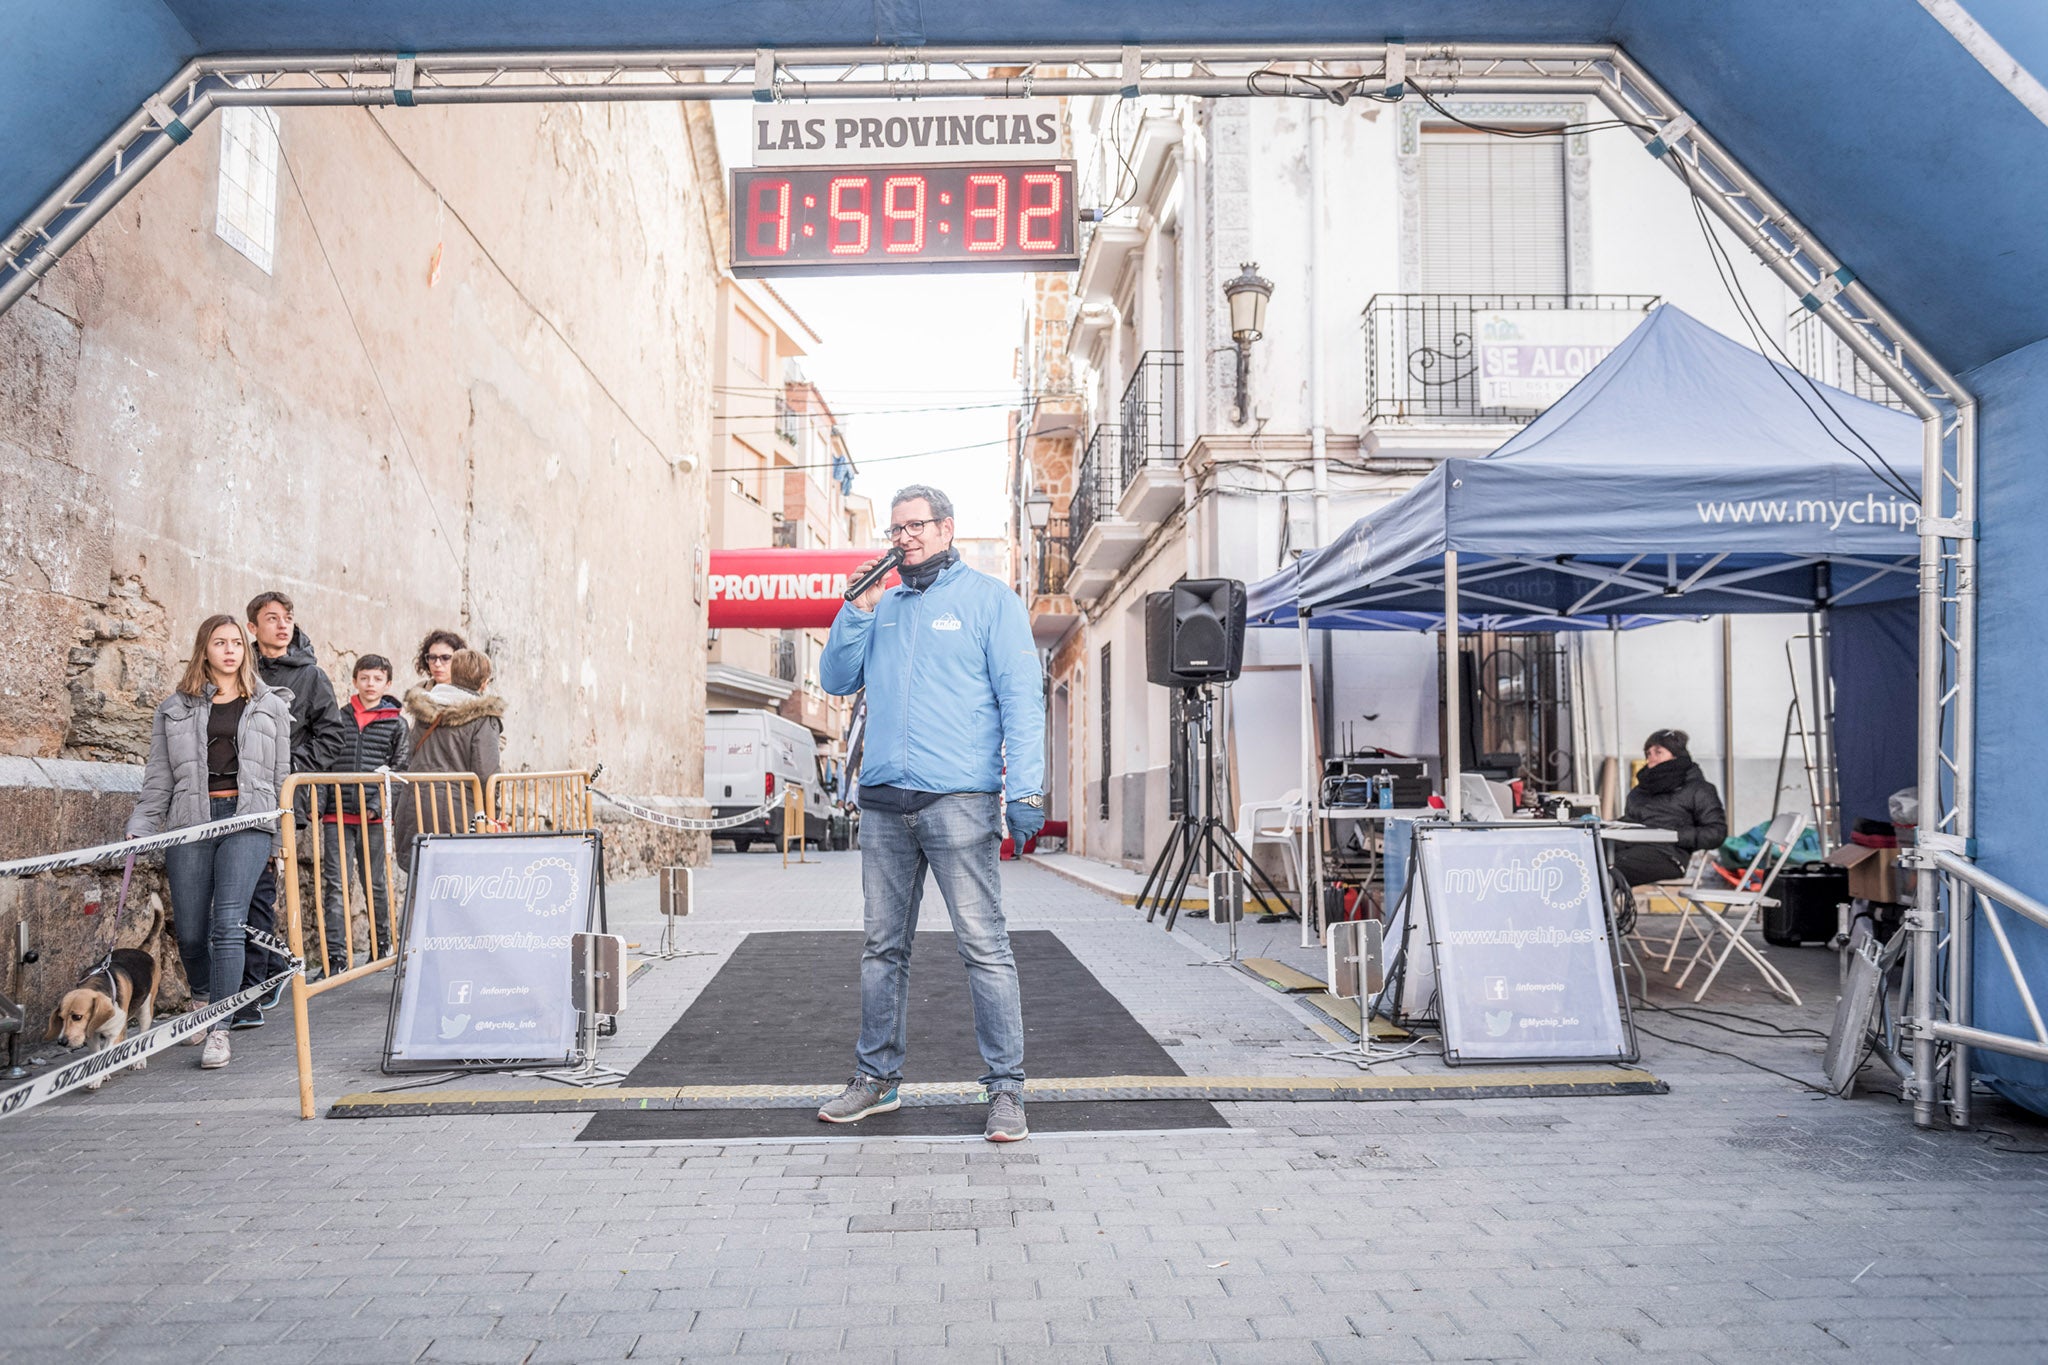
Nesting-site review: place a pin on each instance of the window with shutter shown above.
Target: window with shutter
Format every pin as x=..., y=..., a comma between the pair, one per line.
x=1493, y=214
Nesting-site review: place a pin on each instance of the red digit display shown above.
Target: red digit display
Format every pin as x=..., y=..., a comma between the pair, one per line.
x=986, y=201
x=848, y=206
x=903, y=206
x=768, y=217
x=842, y=220
x=1038, y=225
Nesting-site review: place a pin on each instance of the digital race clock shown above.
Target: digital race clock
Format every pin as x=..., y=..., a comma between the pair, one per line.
x=819, y=220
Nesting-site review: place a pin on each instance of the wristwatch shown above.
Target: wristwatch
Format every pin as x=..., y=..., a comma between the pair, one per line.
x=1035, y=801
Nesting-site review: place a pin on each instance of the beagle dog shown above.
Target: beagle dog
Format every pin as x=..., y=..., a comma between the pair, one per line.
x=123, y=983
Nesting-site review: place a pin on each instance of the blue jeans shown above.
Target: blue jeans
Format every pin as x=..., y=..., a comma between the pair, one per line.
x=956, y=839
x=211, y=883
x=342, y=851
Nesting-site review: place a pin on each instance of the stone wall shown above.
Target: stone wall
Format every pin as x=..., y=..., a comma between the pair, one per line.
x=472, y=392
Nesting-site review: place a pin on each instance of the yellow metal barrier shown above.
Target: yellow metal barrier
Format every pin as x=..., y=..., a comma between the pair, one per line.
x=538, y=802
x=423, y=803
x=793, y=818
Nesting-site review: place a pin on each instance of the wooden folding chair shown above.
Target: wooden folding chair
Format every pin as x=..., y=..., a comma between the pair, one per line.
x=1717, y=909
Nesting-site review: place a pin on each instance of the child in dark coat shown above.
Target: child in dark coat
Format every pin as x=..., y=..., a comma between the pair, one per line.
x=352, y=828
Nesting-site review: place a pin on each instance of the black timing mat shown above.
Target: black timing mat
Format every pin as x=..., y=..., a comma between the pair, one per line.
x=785, y=1010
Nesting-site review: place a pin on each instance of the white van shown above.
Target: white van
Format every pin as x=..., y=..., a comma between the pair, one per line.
x=755, y=756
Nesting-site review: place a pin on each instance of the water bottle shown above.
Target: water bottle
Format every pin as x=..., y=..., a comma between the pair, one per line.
x=1385, y=784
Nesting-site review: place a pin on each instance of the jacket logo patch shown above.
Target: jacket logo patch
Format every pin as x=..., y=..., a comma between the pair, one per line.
x=947, y=622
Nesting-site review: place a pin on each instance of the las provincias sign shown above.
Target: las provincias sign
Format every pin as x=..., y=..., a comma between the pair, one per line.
x=781, y=589
x=868, y=133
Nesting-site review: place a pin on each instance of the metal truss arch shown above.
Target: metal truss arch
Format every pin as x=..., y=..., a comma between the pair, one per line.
x=1825, y=284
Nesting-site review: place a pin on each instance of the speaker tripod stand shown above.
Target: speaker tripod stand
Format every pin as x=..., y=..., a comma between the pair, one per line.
x=1202, y=840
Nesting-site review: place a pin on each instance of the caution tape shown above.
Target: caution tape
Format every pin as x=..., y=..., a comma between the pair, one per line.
x=685, y=822
x=149, y=1042
x=107, y=853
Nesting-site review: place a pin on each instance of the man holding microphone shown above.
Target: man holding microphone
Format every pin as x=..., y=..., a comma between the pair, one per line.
x=954, y=689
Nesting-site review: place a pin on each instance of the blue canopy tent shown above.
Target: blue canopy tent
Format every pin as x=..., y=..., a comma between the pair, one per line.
x=1684, y=475
x=1925, y=227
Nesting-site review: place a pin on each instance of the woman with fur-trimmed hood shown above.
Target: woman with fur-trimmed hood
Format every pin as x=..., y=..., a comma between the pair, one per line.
x=457, y=728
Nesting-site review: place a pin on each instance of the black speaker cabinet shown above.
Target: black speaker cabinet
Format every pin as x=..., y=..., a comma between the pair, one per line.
x=1194, y=632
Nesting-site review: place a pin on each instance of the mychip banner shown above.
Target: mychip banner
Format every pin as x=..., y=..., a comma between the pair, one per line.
x=483, y=972
x=1524, y=963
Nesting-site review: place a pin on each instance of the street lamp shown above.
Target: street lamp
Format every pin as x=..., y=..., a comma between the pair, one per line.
x=1038, y=507
x=1247, y=296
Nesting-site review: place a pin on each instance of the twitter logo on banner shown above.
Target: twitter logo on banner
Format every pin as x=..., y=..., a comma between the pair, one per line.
x=450, y=1028
x=1498, y=1022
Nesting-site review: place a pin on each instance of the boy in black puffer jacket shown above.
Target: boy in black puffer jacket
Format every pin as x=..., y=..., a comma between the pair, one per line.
x=351, y=837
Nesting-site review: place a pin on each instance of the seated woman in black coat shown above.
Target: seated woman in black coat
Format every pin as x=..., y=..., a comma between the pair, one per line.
x=1671, y=793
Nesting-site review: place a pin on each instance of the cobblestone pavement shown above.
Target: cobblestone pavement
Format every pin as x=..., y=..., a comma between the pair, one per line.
x=190, y=1216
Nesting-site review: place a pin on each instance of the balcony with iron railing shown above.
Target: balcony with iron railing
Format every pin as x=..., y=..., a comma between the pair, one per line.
x=1049, y=591
x=1422, y=353
x=1095, y=481
x=1818, y=353
x=1055, y=559
x=1149, y=484
x=788, y=421
x=1103, y=540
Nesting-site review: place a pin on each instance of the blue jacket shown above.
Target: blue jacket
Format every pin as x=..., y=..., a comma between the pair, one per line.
x=954, y=685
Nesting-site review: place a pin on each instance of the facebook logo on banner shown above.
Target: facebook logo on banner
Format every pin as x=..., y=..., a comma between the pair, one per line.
x=458, y=992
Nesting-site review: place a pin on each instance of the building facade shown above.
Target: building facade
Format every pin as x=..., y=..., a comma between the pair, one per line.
x=782, y=478
x=1159, y=446
x=337, y=354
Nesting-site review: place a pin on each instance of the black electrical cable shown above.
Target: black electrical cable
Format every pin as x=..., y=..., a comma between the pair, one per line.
x=1737, y=1057
x=1561, y=130
x=872, y=459
x=844, y=413
x=1686, y=1013
x=1990, y=1133
x=545, y=320
x=441, y=1079
x=1733, y=285
x=348, y=311
x=1116, y=142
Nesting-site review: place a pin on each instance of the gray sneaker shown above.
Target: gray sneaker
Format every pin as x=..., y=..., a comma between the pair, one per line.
x=864, y=1095
x=1005, y=1118
x=215, y=1054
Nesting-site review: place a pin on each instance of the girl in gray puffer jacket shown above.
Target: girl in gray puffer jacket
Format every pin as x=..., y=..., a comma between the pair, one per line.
x=221, y=745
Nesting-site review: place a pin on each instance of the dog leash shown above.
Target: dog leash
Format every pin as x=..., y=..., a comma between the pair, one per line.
x=120, y=908
x=105, y=965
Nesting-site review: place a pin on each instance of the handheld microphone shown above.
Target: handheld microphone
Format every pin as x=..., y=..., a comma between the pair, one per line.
x=882, y=568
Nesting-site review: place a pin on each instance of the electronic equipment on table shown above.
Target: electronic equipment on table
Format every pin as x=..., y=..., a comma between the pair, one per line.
x=1376, y=779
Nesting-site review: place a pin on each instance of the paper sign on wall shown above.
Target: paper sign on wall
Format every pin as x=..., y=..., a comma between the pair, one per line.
x=1529, y=357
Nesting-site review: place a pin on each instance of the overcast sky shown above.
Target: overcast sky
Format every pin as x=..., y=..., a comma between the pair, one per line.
x=911, y=363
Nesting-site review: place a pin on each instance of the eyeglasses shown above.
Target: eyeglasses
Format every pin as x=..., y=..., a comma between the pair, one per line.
x=440, y=658
x=911, y=528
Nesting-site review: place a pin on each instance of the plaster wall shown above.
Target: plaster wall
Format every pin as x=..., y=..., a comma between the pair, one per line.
x=474, y=392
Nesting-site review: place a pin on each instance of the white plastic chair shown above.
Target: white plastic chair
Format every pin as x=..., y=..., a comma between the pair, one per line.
x=1716, y=906
x=1283, y=822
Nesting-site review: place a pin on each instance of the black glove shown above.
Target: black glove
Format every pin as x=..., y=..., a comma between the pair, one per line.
x=1025, y=822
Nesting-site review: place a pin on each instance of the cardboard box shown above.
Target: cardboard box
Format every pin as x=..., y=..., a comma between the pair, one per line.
x=1873, y=872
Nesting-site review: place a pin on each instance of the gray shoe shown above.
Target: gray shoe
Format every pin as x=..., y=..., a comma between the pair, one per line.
x=864, y=1095
x=216, y=1052
x=1005, y=1118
